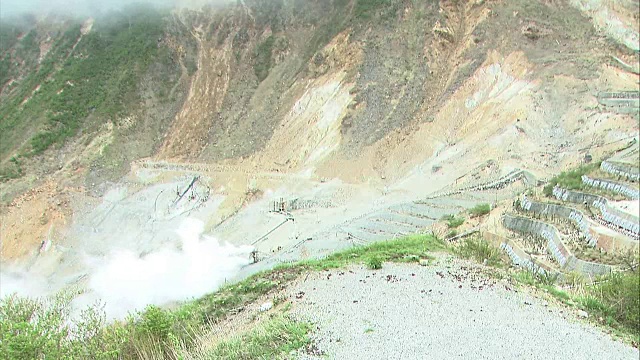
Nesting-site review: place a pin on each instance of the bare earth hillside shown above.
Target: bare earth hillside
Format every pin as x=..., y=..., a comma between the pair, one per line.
x=346, y=111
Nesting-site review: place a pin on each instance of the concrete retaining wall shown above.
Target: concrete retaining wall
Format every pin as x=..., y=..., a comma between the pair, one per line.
x=519, y=259
x=299, y=204
x=553, y=210
x=628, y=223
x=623, y=99
x=631, y=193
x=518, y=256
x=555, y=246
x=496, y=184
x=545, y=209
x=622, y=170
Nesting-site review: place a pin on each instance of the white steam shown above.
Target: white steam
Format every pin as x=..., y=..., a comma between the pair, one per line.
x=93, y=7
x=127, y=282
x=21, y=283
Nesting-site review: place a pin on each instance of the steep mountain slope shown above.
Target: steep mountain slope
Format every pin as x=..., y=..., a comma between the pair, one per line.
x=362, y=104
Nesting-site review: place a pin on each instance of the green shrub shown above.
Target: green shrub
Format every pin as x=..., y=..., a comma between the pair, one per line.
x=95, y=75
x=43, y=329
x=270, y=340
x=156, y=322
x=618, y=295
x=366, y=9
x=374, y=263
x=453, y=221
x=480, y=210
x=571, y=179
x=263, y=59
x=479, y=250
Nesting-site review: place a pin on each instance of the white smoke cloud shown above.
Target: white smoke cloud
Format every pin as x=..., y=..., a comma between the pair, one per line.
x=125, y=282
x=20, y=282
x=92, y=7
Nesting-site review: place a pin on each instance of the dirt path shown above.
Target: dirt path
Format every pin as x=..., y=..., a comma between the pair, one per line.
x=448, y=310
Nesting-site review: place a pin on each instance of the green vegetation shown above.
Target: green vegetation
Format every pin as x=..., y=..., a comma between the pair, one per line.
x=557, y=293
x=479, y=250
x=616, y=298
x=13, y=170
x=366, y=9
x=535, y=279
x=408, y=249
x=480, y=210
x=263, y=58
x=453, y=221
x=268, y=340
x=613, y=300
x=41, y=328
x=31, y=329
x=571, y=180
x=94, y=78
x=374, y=263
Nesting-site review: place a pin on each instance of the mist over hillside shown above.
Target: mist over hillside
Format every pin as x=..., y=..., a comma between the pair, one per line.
x=13, y=9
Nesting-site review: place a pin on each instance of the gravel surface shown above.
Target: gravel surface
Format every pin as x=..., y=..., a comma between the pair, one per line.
x=441, y=311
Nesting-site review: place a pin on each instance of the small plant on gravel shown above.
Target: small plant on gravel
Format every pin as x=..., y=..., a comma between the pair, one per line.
x=480, y=210
x=574, y=280
x=557, y=293
x=374, y=263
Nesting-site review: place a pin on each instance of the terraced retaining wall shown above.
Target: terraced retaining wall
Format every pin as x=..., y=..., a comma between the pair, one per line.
x=495, y=184
x=619, y=218
x=299, y=204
x=553, y=210
x=555, y=246
x=619, y=99
x=623, y=102
x=518, y=256
x=623, y=170
x=632, y=193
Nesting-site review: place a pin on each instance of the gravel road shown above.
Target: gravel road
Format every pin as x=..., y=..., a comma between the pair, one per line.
x=442, y=311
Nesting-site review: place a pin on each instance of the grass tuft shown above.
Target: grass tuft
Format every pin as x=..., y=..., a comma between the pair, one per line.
x=479, y=250
x=480, y=210
x=269, y=340
x=617, y=295
x=374, y=263
x=453, y=221
x=571, y=180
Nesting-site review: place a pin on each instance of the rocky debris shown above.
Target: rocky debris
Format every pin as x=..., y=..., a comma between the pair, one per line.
x=439, y=314
x=266, y=306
